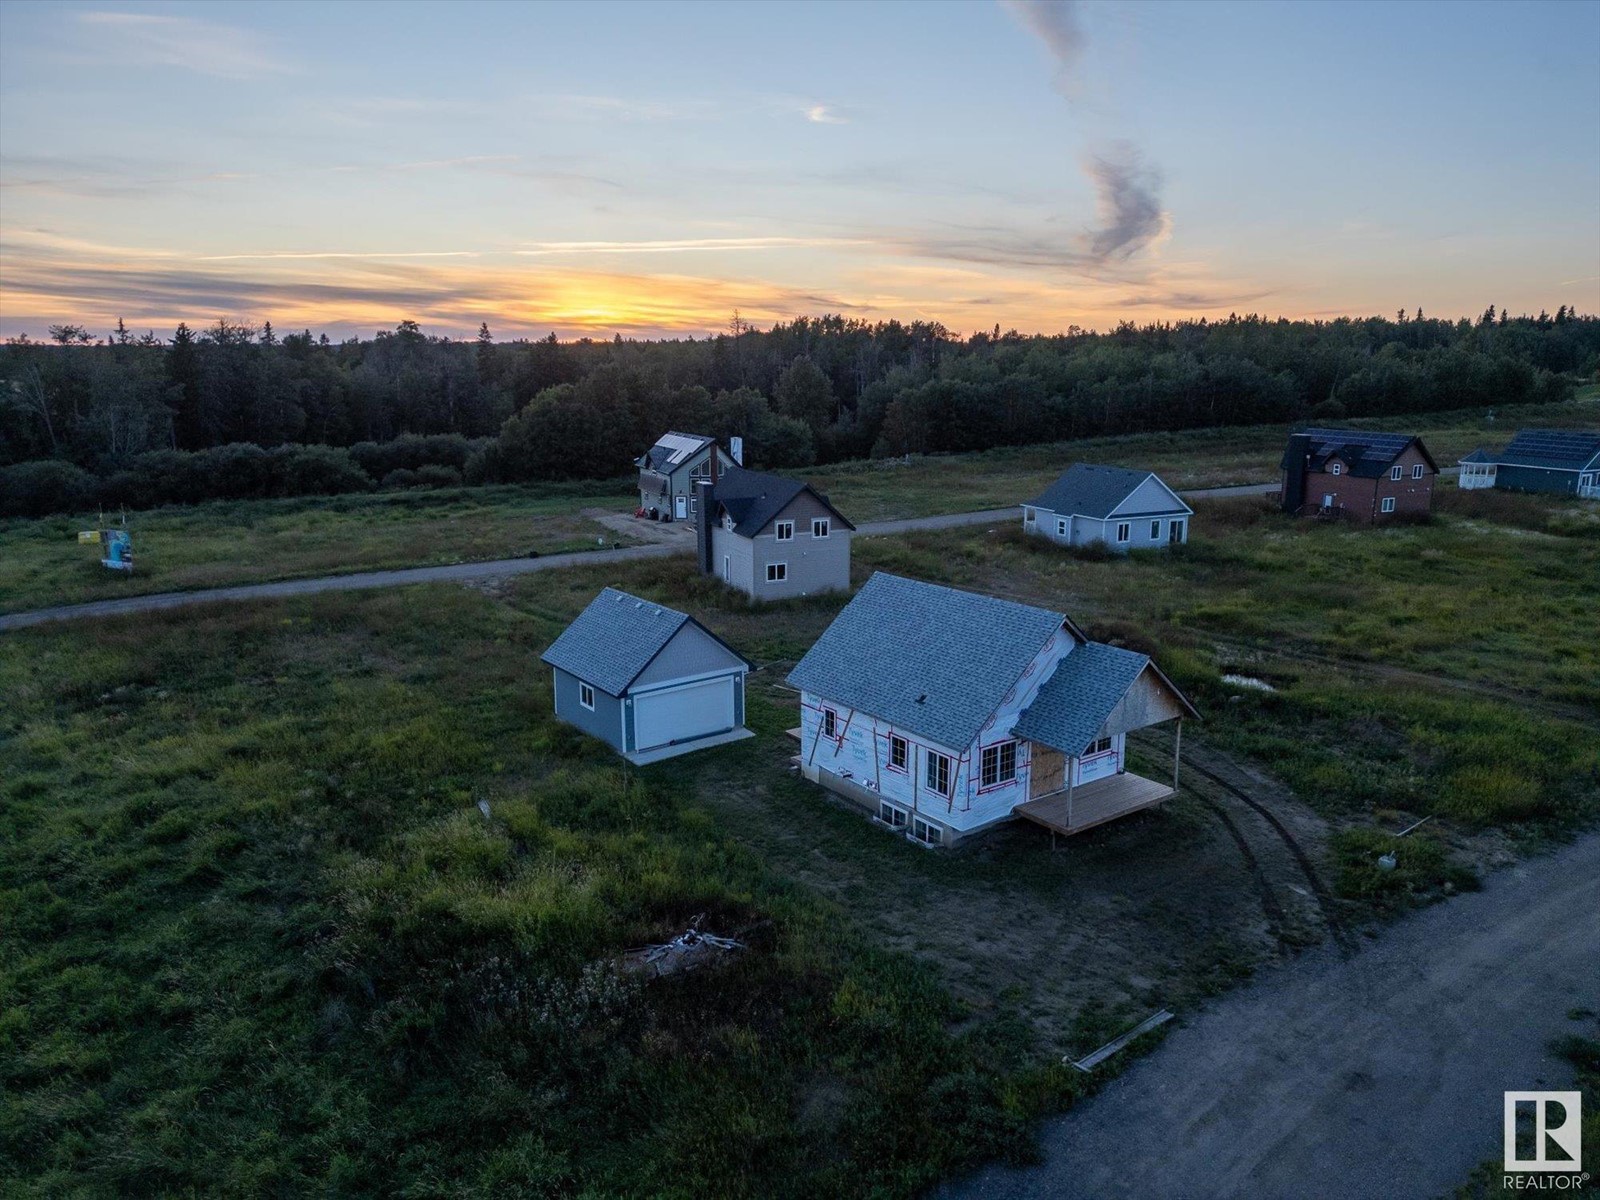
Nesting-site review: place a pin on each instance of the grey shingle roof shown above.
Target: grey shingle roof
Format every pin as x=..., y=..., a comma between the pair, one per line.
x=753, y=498
x=901, y=639
x=1368, y=454
x=1480, y=455
x=1554, y=449
x=613, y=639
x=1090, y=491
x=1075, y=701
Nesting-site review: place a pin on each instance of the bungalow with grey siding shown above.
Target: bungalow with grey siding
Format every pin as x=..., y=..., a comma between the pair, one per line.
x=649, y=681
x=772, y=537
x=669, y=470
x=942, y=712
x=1126, y=510
x=1558, y=462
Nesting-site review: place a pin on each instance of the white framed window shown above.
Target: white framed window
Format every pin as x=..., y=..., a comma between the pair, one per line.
x=927, y=831
x=1388, y=504
x=999, y=764
x=1028, y=516
x=1396, y=471
x=727, y=523
x=894, y=818
x=1098, y=746
x=936, y=773
x=1336, y=468
x=586, y=695
x=1061, y=527
x=1155, y=531
x=830, y=719
x=694, y=503
x=819, y=527
x=784, y=530
x=899, y=752
x=1416, y=471
x=777, y=572
x=1123, y=531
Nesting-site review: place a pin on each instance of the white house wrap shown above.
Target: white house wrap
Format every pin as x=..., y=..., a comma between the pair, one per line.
x=944, y=712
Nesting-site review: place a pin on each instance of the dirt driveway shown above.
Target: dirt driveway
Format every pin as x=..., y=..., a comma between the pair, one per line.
x=1377, y=1076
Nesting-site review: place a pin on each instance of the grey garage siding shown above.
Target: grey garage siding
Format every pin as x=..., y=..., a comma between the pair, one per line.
x=605, y=722
x=691, y=652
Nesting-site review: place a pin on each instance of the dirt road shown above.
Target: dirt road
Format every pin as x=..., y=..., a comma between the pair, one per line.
x=1380, y=1075
x=461, y=572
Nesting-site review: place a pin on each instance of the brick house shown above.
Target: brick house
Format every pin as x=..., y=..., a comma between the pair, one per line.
x=1354, y=475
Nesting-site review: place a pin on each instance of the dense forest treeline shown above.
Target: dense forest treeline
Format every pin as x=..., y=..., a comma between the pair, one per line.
x=234, y=410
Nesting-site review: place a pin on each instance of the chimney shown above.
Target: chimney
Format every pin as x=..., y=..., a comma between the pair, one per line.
x=1294, y=475
x=704, y=490
x=716, y=454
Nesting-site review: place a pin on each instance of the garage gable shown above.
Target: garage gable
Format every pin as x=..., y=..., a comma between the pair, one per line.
x=691, y=652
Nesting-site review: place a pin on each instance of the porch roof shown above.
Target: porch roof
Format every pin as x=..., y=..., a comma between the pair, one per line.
x=1075, y=702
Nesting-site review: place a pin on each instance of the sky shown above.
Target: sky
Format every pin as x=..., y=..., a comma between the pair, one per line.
x=593, y=169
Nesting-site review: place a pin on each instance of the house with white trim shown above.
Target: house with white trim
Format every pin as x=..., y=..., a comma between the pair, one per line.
x=1126, y=510
x=1558, y=462
x=943, y=712
x=772, y=537
x=669, y=470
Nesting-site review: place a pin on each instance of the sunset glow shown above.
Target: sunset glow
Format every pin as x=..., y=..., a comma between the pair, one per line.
x=967, y=167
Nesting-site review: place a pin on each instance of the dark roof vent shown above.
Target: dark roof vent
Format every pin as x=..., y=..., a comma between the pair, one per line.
x=922, y=698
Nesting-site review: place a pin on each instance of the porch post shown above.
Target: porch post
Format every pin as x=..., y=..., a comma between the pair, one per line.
x=1177, y=745
x=1070, y=761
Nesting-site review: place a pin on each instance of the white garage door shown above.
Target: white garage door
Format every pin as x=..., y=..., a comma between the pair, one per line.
x=679, y=713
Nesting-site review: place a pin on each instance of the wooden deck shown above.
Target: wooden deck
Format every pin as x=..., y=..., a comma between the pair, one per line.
x=1094, y=803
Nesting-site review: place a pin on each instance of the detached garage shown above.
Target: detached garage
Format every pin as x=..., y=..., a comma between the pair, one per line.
x=649, y=681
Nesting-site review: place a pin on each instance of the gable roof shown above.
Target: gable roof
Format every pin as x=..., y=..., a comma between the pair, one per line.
x=1368, y=454
x=1076, y=701
x=901, y=639
x=1553, y=449
x=616, y=637
x=752, y=498
x=672, y=450
x=1093, y=491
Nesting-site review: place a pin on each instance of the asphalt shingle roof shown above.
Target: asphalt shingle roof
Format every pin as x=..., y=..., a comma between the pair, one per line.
x=753, y=498
x=901, y=639
x=613, y=639
x=1090, y=491
x=1554, y=449
x=1074, y=702
x=1369, y=454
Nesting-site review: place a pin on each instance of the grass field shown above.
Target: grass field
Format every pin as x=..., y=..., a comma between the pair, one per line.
x=260, y=940
x=213, y=545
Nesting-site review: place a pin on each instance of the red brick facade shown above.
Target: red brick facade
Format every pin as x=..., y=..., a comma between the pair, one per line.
x=1362, y=498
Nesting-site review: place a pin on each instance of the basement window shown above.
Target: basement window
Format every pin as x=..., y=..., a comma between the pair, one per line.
x=894, y=818
x=777, y=572
x=1123, y=531
x=999, y=764
x=819, y=527
x=784, y=530
x=1388, y=504
x=586, y=696
x=899, y=752
x=927, y=831
x=937, y=774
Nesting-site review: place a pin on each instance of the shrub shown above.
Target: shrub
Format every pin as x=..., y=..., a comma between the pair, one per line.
x=37, y=489
x=239, y=471
x=315, y=471
x=400, y=477
x=437, y=475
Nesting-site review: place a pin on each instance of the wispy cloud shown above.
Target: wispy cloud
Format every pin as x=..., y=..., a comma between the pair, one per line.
x=822, y=114
x=1131, y=217
x=579, y=107
x=1057, y=24
x=146, y=39
x=686, y=245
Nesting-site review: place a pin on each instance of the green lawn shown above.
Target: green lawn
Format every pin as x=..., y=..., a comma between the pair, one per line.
x=260, y=940
x=217, y=544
